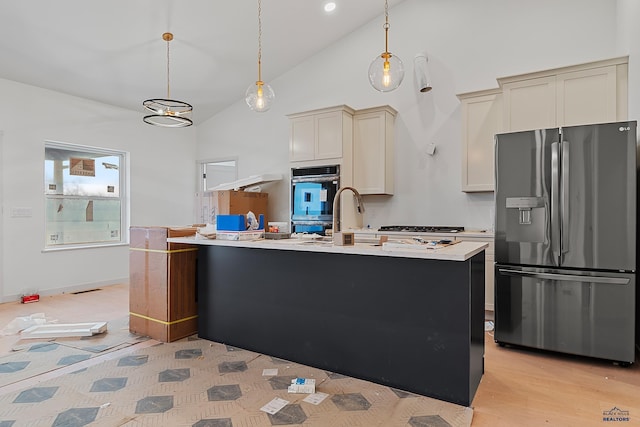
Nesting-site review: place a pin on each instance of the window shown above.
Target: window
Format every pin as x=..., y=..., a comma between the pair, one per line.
x=84, y=200
x=216, y=172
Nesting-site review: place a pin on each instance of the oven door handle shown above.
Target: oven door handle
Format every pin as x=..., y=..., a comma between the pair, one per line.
x=315, y=179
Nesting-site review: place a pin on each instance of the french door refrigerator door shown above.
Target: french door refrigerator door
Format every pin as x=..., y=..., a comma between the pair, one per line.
x=583, y=313
x=598, y=196
x=526, y=171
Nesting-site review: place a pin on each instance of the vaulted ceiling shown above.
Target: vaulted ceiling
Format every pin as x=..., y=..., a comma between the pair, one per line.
x=113, y=52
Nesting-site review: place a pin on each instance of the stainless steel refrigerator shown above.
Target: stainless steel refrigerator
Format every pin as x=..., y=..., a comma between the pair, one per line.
x=565, y=240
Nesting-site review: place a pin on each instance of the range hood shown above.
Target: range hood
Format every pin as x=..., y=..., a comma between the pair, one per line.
x=252, y=181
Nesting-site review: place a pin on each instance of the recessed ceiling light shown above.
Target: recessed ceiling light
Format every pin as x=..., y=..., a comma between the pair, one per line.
x=329, y=6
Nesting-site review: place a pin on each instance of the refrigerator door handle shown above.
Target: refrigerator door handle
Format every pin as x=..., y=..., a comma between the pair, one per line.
x=564, y=197
x=555, y=202
x=566, y=277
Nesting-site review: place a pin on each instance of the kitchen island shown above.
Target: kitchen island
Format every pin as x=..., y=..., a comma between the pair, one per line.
x=412, y=320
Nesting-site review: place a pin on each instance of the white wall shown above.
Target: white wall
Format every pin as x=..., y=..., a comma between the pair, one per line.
x=629, y=43
x=469, y=44
x=162, y=165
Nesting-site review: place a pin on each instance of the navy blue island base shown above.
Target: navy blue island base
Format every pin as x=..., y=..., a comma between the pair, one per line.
x=413, y=324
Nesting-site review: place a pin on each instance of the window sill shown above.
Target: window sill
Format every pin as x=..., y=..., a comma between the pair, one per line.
x=85, y=246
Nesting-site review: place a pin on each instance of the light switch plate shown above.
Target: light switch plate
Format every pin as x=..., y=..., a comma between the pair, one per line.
x=21, y=212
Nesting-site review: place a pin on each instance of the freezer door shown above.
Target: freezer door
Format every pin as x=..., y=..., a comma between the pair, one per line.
x=527, y=167
x=598, y=196
x=584, y=313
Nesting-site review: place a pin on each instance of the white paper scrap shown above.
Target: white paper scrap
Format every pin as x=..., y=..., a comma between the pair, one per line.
x=274, y=406
x=270, y=372
x=316, y=398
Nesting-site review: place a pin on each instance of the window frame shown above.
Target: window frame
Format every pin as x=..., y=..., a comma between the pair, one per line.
x=202, y=169
x=123, y=183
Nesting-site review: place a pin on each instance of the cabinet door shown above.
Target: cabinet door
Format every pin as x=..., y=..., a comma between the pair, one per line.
x=489, y=266
x=489, y=277
x=328, y=135
x=587, y=96
x=373, y=154
x=481, y=120
x=302, y=139
x=530, y=104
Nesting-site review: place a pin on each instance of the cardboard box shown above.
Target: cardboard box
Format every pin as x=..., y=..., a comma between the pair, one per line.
x=230, y=202
x=162, y=284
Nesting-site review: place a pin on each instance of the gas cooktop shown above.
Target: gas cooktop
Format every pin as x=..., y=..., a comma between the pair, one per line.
x=421, y=228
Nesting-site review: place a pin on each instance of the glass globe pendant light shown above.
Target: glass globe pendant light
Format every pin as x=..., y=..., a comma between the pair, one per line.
x=259, y=96
x=167, y=112
x=386, y=71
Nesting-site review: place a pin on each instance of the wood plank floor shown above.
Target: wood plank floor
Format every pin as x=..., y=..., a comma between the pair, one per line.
x=520, y=387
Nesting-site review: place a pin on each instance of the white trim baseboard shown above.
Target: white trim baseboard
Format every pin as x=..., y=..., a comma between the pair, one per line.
x=69, y=289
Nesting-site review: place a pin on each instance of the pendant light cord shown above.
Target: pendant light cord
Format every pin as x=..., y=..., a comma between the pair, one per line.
x=168, y=90
x=259, y=40
x=386, y=26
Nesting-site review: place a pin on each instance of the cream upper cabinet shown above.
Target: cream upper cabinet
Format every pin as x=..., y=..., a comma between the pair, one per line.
x=373, y=150
x=302, y=143
x=319, y=134
x=530, y=104
x=481, y=120
x=588, y=96
x=595, y=92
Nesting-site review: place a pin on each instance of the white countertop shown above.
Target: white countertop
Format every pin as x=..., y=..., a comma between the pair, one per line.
x=458, y=252
x=403, y=234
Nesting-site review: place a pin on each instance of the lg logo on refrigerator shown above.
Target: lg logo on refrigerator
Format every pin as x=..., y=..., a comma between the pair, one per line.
x=624, y=128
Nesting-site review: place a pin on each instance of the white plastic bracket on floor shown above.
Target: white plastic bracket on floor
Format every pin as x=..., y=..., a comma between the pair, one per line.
x=60, y=330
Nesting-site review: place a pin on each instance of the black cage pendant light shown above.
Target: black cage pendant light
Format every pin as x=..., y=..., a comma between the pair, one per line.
x=386, y=71
x=167, y=112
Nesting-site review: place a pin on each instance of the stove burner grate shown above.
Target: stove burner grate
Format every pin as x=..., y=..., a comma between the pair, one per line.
x=421, y=228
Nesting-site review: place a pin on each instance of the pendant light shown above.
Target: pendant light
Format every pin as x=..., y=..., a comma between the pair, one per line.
x=259, y=96
x=167, y=112
x=386, y=71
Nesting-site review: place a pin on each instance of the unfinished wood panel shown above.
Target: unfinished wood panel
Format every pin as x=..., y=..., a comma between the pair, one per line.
x=162, y=297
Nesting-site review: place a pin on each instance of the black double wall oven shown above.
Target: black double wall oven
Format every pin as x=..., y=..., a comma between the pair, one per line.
x=312, y=192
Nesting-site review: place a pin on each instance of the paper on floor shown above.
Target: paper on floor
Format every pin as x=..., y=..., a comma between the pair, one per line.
x=316, y=398
x=274, y=406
